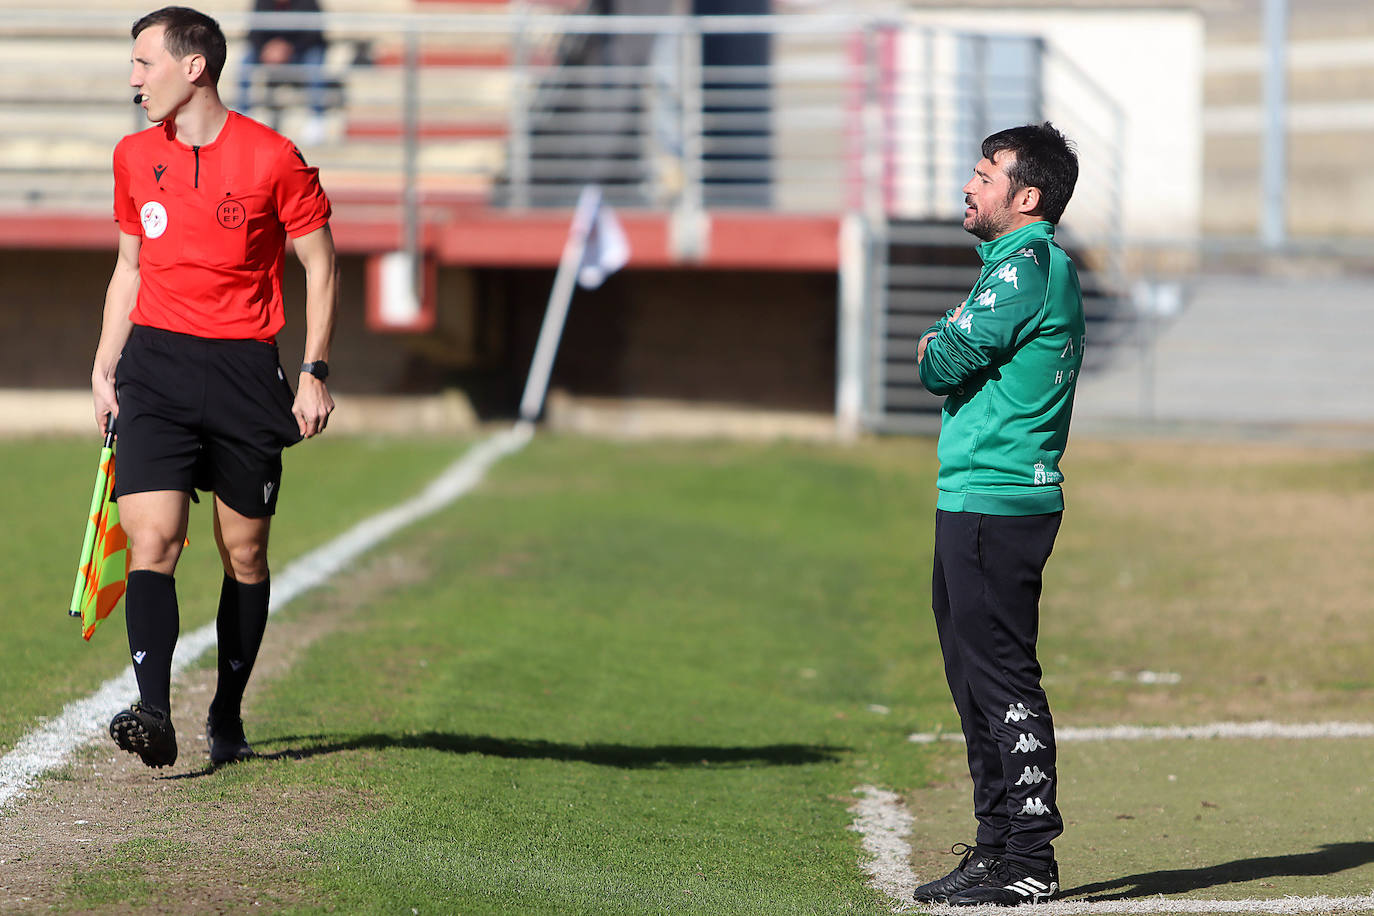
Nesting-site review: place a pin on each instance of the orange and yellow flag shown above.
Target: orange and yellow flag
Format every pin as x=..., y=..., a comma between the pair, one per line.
x=104, y=566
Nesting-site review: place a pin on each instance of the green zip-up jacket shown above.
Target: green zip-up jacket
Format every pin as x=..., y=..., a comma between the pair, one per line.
x=1009, y=366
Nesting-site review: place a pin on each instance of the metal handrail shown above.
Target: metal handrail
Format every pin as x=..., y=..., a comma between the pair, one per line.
x=788, y=136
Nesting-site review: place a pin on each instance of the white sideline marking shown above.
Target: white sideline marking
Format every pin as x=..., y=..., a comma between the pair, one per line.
x=83, y=720
x=891, y=871
x=884, y=823
x=1299, y=731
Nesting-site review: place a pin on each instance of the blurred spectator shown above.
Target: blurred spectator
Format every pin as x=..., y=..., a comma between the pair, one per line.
x=302, y=50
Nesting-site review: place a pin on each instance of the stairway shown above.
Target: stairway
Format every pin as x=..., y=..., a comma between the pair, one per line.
x=929, y=269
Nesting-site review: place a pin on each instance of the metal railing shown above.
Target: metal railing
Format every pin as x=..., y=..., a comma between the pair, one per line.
x=873, y=119
x=803, y=114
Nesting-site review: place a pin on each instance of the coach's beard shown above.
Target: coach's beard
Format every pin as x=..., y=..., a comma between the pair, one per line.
x=985, y=228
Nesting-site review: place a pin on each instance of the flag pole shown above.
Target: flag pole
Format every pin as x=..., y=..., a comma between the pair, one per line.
x=556, y=314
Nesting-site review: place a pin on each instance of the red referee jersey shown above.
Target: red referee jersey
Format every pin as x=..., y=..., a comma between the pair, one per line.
x=214, y=221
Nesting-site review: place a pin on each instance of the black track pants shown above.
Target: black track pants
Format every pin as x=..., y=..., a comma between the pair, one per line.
x=986, y=596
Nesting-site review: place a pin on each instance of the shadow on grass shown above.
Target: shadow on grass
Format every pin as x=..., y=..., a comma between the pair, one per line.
x=1327, y=860
x=625, y=756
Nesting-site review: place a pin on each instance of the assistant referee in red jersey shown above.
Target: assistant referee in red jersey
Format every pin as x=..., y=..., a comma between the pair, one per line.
x=187, y=360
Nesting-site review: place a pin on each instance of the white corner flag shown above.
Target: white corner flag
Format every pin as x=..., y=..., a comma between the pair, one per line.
x=607, y=249
x=595, y=249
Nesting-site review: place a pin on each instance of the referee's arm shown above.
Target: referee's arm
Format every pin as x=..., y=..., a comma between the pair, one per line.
x=120, y=297
x=316, y=253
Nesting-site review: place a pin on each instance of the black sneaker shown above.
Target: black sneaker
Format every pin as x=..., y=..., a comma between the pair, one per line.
x=1010, y=884
x=146, y=732
x=227, y=744
x=972, y=868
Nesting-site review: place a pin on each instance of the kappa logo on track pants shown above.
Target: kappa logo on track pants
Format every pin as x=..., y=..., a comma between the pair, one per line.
x=986, y=597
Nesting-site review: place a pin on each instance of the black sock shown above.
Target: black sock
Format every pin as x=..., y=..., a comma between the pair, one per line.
x=240, y=624
x=150, y=612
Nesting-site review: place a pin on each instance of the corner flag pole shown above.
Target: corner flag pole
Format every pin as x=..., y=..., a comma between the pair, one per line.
x=595, y=248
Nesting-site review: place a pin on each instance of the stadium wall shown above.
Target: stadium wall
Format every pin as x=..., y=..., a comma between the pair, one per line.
x=762, y=338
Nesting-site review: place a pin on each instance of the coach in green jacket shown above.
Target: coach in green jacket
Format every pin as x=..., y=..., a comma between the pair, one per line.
x=1007, y=360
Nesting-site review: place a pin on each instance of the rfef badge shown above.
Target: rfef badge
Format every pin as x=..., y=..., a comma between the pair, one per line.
x=231, y=214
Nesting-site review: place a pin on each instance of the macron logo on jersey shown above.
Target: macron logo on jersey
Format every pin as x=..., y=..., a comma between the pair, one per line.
x=158, y=170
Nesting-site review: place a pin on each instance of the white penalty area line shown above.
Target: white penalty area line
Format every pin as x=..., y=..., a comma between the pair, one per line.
x=885, y=825
x=1295, y=731
x=83, y=720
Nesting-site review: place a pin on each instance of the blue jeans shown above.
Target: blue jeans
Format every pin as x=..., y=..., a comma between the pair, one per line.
x=311, y=60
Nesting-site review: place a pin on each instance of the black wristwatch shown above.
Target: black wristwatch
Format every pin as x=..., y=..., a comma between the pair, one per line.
x=319, y=368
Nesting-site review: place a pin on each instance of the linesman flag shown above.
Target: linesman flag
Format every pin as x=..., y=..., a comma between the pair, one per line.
x=104, y=565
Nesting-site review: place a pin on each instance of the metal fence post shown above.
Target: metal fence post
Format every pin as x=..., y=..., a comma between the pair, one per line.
x=849, y=348
x=519, y=117
x=931, y=149
x=410, y=196
x=689, y=229
x=1274, y=167
x=873, y=138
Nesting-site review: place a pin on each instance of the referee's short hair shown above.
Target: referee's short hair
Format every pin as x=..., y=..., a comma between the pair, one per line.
x=1045, y=160
x=188, y=32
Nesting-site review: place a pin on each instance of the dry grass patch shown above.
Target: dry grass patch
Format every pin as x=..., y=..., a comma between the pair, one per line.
x=1245, y=570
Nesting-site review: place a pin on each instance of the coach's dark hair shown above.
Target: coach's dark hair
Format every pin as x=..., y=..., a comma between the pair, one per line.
x=188, y=32
x=1045, y=159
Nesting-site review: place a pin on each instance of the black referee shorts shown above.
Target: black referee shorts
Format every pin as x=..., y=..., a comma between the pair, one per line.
x=202, y=414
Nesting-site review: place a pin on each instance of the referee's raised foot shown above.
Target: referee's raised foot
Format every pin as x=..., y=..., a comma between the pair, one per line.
x=146, y=732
